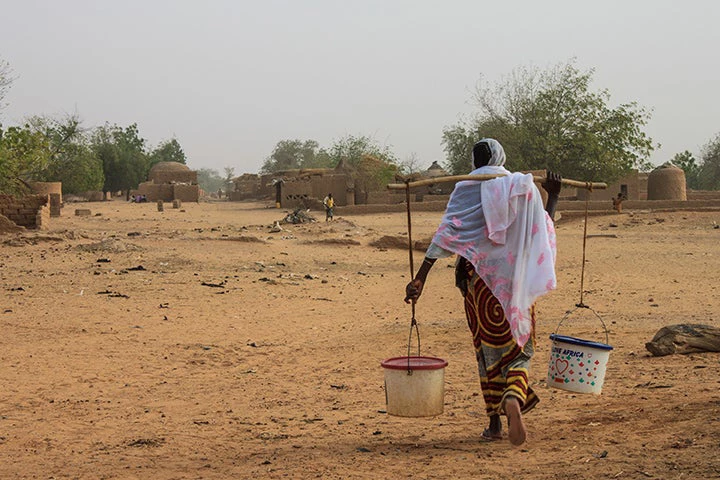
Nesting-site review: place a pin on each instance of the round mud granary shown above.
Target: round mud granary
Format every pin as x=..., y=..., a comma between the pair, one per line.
x=666, y=182
x=168, y=172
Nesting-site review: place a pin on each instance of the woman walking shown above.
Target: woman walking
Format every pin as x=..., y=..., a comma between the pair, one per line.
x=505, y=242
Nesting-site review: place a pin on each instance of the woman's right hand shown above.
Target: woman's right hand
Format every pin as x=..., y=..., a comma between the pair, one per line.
x=553, y=183
x=413, y=290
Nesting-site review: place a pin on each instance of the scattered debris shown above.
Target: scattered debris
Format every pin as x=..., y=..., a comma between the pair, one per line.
x=299, y=215
x=332, y=241
x=146, y=442
x=652, y=385
x=242, y=238
x=35, y=239
x=113, y=294
x=683, y=443
x=111, y=245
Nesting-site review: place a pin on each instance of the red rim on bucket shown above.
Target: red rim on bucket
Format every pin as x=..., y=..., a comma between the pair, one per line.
x=414, y=363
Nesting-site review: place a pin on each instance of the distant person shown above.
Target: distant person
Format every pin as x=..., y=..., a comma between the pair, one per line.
x=505, y=243
x=617, y=202
x=329, y=204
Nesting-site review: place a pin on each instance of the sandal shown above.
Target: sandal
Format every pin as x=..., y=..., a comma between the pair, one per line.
x=488, y=436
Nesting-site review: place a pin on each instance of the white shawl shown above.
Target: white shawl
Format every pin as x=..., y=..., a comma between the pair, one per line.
x=502, y=229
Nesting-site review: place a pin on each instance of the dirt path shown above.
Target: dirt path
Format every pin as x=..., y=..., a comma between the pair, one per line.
x=197, y=344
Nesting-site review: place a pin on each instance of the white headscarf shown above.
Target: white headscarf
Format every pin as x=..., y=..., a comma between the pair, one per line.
x=497, y=158
x=500, y=226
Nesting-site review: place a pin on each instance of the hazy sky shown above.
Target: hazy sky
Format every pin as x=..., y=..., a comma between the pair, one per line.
x=229, y=79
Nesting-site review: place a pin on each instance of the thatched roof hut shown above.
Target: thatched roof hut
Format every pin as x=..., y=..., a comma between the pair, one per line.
x=435, y=170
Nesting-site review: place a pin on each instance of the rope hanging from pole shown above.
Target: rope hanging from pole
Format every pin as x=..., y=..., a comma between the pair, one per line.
x=413, y=322
x=582, y=268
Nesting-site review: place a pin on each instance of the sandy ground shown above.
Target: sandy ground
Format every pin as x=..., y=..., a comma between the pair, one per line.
x=197, y=344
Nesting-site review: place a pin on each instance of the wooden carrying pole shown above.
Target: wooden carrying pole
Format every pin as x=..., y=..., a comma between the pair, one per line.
x=458, y=178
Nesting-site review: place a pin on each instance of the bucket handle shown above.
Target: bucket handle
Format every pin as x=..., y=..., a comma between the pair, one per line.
x=413, y=325
x=582, y=305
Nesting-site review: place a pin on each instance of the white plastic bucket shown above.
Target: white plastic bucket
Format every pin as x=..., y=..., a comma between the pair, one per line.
x=414, y=386
x=577, y=365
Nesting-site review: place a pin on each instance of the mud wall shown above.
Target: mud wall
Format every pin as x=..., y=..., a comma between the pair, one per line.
x=247, y=186
x=186, y=193
x=703, y=195
x=46, y=188
x=335, y=184
x=635, y=183
x=30, y=211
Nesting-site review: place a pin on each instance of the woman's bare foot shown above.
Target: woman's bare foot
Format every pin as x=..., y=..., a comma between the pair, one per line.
x=516, y=427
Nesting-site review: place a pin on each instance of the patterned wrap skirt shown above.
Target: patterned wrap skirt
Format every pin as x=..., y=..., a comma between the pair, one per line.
x=502, y=364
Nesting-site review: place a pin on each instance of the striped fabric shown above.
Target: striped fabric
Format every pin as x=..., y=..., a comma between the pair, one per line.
x=502, y=364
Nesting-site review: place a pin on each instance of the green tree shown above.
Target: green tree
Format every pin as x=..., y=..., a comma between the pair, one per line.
x=229, y=175
x=167, y=151
x=551, y=119
x=71, y=161
x=24, y=155
x=122, y=153
x=293, y=154
x=210, y=180
x=370, y=165
x=458, y=141
x=686, y=161
x=78, y=168
x=411, y=165
x=710, y=166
